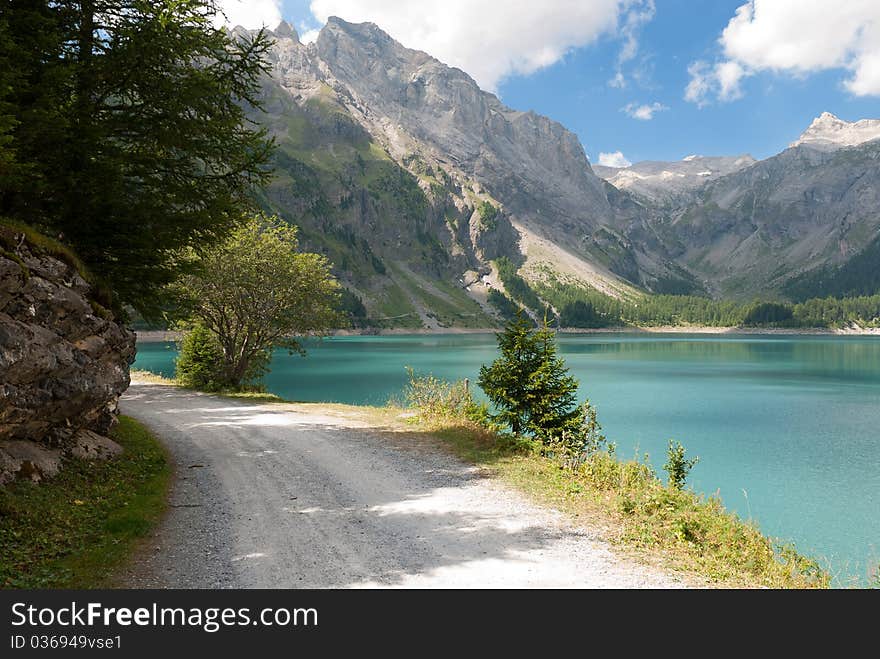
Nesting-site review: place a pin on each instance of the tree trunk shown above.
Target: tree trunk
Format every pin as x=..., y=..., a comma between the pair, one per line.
x=238, y=370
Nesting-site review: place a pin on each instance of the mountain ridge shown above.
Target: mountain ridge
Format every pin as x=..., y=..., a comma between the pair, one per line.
x=414, y=180
x=830, y=132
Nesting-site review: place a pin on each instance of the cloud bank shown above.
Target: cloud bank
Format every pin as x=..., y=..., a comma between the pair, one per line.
x=793, y=37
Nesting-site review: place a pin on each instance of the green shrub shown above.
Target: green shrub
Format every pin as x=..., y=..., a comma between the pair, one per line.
x=488, y=215
x=576, y=444
x=437, y=398
x=200, y=360
x=677, y=465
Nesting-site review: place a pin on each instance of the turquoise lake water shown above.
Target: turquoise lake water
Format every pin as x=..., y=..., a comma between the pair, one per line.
x=787, y=428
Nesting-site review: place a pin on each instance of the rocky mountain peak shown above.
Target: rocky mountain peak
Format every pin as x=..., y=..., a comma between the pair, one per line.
x=338, y=29
x=286, y=31
x=514, y=155
x=829, y=132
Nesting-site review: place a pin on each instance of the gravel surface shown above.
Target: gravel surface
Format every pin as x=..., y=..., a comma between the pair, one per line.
x=279, y=496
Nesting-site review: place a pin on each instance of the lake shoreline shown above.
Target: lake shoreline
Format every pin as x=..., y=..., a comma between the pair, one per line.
x=161, y=336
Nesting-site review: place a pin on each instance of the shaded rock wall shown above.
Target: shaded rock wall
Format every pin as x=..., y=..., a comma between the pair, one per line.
x=63, y=359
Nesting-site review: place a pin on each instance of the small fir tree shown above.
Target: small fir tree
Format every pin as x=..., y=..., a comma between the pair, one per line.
x=529, y=384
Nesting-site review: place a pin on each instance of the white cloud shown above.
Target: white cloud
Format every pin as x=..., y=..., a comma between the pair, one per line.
x=729, y=75
x=794, y=37
x=643, y=112
x=638, y=13
x=618, y=81
x=616, y=159
x=700, y=84
x=309, y=36
x=721, y=80
x=492, y=39
x=250, y=14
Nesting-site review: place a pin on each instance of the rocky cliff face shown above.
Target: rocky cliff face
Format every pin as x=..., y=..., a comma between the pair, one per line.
x=531, y=162
x=63, y=362
x=746, y=227
x=386, y=156
x=757, y=229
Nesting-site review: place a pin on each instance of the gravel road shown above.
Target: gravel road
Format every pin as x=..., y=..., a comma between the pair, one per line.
x=291, y=496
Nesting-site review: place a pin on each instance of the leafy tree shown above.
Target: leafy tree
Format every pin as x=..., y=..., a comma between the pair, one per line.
x=127, y=120
x=529, y=384
x=256, y=291
x=488, y=215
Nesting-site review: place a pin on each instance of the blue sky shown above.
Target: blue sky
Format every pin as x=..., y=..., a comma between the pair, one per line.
x=725, y=76
x=774, y=109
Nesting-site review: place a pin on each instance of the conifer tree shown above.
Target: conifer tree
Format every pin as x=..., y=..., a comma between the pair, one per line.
x=124, y=131
x=529, y=385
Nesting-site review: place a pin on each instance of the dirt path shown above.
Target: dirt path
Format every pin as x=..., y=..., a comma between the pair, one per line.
x=278, y=496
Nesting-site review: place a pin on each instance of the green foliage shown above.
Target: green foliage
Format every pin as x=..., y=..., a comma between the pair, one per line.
x=830, y=312
x=505, y=306
x=606, y=309
x=858, y=277
x=529, y=384
x=677, y=465
x=516, y=286
x=488, y=215
x=580, y=314
x=397, y=186
x=75, y=529
x=123, y=131
x=352, y=308
x=586, y=435
x=659, y=310
x=581, y=440
x=435, y=398
x=768, y=314
x=256, y=291
x=199, y=363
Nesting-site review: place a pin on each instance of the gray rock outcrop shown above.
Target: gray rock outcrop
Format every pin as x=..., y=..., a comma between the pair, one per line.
x=63, y=361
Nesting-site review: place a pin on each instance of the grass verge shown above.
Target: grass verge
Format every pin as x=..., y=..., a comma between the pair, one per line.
x=74, y=530
x=676, y=529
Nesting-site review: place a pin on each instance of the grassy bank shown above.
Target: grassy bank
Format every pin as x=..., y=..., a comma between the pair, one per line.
x=677, y=529
x=631, y=506
x=74, y=530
